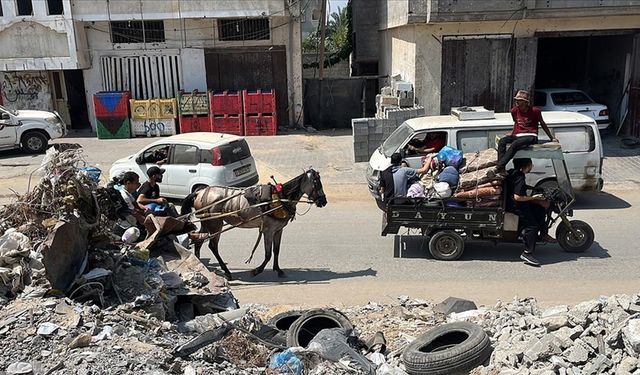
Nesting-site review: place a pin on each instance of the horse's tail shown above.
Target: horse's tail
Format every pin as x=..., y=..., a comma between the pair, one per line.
x=187, y=203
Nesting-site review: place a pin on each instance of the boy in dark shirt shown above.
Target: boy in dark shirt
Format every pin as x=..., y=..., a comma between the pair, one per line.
x=532, y=210
x=525, y=130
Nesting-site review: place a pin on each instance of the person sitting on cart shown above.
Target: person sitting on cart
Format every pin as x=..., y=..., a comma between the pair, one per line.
x=149, y=195
x=526, y=119
x=403, y=176
x=532, y=210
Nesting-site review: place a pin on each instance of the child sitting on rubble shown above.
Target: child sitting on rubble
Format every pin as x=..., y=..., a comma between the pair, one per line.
x=128, y=185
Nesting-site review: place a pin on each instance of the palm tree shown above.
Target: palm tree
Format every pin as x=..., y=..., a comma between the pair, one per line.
x=338, y=29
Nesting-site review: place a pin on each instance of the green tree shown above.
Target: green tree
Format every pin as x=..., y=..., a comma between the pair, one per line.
x=337, y=37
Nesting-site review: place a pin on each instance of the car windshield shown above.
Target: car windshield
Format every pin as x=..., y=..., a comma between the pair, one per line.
x=570, y=97
x=395, y=140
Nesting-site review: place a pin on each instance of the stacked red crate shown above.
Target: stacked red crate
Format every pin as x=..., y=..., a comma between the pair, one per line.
x=260, y=112
x=226, y=112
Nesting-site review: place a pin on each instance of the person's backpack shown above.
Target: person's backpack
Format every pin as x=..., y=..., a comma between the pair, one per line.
x=386, y=181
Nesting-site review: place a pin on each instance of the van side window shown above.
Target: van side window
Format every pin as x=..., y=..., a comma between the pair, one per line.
x=576, y=138
x=478, y=140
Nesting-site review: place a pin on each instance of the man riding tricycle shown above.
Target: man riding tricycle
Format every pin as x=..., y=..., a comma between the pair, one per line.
x=522, y=213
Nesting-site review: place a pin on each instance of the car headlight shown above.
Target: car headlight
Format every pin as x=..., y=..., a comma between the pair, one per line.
x=53, y=120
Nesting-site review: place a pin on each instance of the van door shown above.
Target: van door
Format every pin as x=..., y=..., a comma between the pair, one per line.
x=183, y=166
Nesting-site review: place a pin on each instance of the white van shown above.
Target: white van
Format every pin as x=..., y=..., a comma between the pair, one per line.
x=577, y=133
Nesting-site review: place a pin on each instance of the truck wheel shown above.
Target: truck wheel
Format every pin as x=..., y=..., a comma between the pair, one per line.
x=446, y=349
x=34, y=142
x=571, y=243
x=446, y=245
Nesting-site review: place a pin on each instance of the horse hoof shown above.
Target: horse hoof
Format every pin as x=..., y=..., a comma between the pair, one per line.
x=228, y=276
x=255, y=272
x=281, y=274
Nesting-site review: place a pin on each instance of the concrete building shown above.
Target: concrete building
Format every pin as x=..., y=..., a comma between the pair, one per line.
x=463, y=52
x=155, y=48
x=41, y=57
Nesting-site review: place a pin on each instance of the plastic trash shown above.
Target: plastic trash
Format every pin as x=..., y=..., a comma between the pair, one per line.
x=287, y=363
x=450, y=156
x=19, y=368
x=332, y=344
x=106, y=333
x=47, y=329
x=92, y=172
x=131, y=235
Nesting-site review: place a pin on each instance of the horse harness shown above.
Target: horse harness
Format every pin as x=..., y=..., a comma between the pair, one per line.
x=273, y=195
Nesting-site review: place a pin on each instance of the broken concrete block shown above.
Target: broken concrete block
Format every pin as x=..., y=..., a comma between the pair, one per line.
x=555, y=322
x=578, y=353
x=555, y=310
x=580, y=312
x=454, y=305
x=542, y=349
x=631, y=335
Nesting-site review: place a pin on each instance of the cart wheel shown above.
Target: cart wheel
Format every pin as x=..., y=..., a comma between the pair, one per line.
x=571, y=243
x=446, y=245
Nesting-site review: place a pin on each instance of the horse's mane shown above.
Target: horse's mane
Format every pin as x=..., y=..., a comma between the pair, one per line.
x=292, y=187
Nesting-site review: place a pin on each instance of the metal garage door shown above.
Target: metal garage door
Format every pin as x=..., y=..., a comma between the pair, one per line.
x=251, y=69
x=477, y=71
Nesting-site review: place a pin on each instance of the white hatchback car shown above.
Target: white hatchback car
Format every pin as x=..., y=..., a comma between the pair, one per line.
x=193, y=160
x=570, y=100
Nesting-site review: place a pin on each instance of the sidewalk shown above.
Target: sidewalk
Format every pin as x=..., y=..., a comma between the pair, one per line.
x=621, y=165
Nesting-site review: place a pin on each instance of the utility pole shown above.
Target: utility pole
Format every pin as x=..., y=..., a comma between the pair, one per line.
x=323, y=28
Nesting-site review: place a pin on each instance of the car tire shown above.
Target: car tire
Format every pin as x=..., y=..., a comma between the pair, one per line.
x=283, y=322
x=198, y=187
x=569, y=242
x=307, y=326
x=446, y=245
x=34, y=142
x=446, y=349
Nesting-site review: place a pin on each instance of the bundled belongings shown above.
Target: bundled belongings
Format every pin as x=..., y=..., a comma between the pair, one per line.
x=477, y=177
x=480, y=160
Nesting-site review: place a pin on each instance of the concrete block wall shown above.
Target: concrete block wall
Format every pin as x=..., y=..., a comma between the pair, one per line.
x=369, y=133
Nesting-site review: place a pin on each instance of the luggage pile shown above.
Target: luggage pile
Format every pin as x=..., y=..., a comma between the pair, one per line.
x=469, y=181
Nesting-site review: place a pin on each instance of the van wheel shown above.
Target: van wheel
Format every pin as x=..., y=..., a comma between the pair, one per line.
x=34, y=142
x=198, y=187
x=446, y=245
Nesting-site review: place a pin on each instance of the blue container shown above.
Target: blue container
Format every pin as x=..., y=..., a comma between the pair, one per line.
x=93, y=173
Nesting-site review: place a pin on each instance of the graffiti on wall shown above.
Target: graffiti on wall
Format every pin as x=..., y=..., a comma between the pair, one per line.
x=25, y=90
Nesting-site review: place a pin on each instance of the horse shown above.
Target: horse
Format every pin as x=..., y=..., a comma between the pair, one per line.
x=231, y=206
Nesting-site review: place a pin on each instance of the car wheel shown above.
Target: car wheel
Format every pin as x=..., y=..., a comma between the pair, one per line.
x=34, y=142
x=446, y=245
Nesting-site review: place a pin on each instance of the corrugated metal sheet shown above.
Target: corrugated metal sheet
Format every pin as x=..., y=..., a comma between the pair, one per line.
x=147, y=77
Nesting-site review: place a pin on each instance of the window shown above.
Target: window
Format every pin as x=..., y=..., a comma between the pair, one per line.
x=24, y=7
x=244, y=29
x=155, y=154
x=57, y=85
x=55, y=7
x=477, y=140
x=137, y=31
x=575, y=138
x=540, y=99
x=570, y=98
x=185, y=154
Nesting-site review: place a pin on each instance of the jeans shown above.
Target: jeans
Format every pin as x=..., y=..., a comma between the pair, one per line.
x=517, y=143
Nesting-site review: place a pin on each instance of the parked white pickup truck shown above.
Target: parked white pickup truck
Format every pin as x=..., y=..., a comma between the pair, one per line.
x=30, y=130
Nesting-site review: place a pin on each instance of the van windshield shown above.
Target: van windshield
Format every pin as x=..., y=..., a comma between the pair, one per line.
x=396, y=139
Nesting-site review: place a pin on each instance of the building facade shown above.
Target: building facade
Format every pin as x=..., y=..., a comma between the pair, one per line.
x=463, y=52
x=156, y=48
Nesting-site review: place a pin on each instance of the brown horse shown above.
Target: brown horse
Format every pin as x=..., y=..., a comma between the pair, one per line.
x=229, y=205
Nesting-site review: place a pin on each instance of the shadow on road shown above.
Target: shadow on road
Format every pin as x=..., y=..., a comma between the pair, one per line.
x=293, y=275
x=416, y=247
x=10, y=154
x=600, y=200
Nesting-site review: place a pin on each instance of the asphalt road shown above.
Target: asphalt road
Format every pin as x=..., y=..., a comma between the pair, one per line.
x=335, y=255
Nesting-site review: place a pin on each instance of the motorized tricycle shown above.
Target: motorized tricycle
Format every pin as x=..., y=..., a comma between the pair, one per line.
x=448, y=228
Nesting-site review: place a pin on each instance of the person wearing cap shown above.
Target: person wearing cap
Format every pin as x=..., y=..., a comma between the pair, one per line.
x=526, y=120
x=149, y=194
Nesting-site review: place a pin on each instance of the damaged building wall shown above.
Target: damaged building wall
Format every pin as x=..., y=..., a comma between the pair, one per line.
x=26, y=90
x=422, y=45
